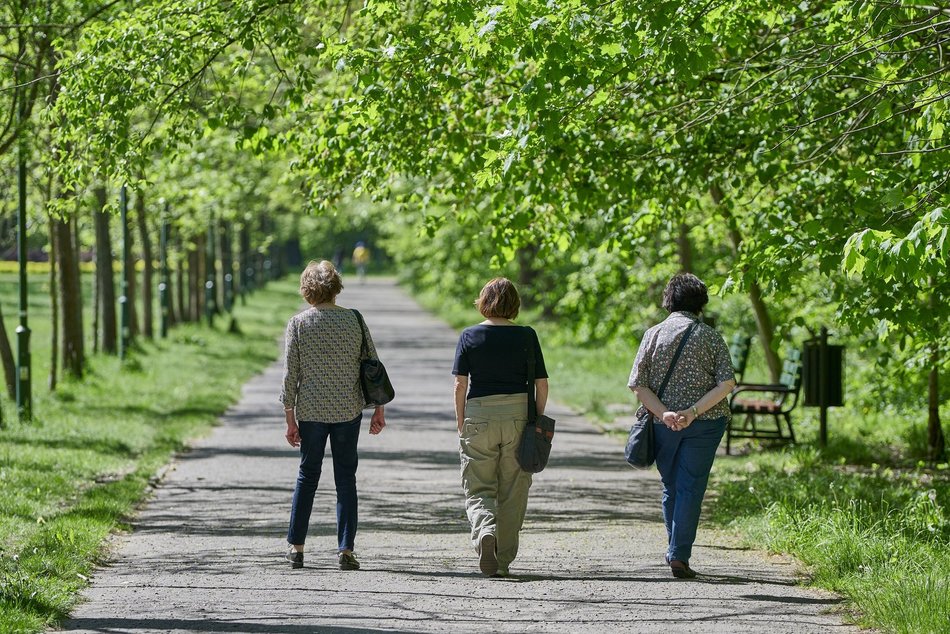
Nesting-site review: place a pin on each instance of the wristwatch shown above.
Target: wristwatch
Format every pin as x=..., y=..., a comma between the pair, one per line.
x=695, y=413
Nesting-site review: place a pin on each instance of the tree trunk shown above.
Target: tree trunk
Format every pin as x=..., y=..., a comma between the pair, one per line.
x=133, y=324
x=105, y=274
x=936, y=442
x=96, y=301
x=148, y=273
x=763, y=320
x=171, y=290
x=77, y=259
x=70, y=295
x=9, y=363
x=170, y=282
x=54, y=307
x=766, y=331
x=685, y=248
x=47, y=192
x=227, y=268
x=195, y=283
x=244, y=255
x=180, y=289
x=530, y=281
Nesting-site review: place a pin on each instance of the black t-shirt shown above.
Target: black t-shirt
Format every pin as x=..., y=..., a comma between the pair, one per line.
x=495, y=358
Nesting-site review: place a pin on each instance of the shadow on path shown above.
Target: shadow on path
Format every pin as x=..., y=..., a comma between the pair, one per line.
x=206, y=553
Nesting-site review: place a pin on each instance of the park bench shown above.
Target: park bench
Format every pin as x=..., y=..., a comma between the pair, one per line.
x=751, y=401
x=739, y=353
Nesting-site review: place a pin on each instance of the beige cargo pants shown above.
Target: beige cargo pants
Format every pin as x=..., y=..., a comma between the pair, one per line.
x=496, y=488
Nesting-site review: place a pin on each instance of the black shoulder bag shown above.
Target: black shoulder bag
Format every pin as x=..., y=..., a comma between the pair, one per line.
x=640, y=451
x=535, y=447
x=377, y=389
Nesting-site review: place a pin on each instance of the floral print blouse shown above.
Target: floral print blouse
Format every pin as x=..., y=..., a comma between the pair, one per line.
x=703, y=364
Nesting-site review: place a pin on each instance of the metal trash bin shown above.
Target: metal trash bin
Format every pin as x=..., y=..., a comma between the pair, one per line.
x=823, y=368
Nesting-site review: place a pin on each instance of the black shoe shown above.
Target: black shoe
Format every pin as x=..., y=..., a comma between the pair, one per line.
x=295, y=558
x=348, y=562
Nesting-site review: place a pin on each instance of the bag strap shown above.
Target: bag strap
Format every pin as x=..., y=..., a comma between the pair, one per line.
x=532, y=403
x=364, y=351
x=676, y=357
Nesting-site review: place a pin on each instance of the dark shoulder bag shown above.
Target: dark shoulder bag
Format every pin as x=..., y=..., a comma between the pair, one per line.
x=377, y=389
x=535, y=447
x=640, y=451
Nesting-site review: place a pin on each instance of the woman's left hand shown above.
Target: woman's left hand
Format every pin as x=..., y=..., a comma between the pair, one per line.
x=378, y=421
x=685, y=418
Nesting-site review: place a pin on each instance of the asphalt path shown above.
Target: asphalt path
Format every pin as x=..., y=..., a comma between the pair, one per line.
x=206, y=550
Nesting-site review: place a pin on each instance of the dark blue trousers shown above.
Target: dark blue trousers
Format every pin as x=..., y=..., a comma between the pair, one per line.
x=684, y=459
x=313, y=442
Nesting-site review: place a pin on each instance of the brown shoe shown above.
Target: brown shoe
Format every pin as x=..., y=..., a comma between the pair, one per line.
x=681, y=569
x=487, y=561
x=348, y=561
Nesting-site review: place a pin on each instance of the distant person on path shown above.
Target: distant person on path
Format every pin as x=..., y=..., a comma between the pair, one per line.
x=491, y=409
x=361, y=259
x=694, y=413
x=323, y=399
x=338, y=258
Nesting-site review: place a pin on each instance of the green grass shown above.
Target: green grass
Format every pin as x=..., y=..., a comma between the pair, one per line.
x=878, y=535
x=76, y=473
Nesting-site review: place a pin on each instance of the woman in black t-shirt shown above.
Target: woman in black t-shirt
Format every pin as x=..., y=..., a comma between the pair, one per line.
x=491, y=409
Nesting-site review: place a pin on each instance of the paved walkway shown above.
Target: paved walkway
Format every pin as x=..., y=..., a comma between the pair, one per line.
x=205, y=554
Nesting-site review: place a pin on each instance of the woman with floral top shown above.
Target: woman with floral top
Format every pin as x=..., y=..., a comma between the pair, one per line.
x=323, y=400
x=694, y=412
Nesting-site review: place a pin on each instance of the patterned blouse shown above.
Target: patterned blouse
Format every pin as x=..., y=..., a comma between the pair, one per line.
x=703, y=364
x=322, y=365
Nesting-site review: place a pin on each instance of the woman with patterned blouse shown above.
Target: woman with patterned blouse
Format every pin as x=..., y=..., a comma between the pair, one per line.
x=691, y=419
x=323, y=400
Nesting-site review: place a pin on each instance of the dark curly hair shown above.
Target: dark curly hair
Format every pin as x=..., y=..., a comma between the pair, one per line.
x=685, y=292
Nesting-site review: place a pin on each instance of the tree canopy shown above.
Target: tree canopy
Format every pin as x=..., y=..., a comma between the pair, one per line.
x=794, y=153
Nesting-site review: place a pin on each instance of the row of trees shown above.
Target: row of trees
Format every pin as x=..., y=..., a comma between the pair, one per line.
x=793, y=155
x=201, y=218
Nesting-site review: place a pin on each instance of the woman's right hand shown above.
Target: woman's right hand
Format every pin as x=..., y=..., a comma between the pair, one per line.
x=293, y=434
x=671, y=420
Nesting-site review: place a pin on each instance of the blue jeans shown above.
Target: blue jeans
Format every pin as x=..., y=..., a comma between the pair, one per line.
x=313, y=443
x=684, y=459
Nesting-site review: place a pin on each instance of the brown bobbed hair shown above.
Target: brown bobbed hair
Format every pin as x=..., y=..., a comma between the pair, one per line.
x=320, y=282
x=499, y=298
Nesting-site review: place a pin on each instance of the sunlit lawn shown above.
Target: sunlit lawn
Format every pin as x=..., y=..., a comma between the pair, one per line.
x=74, y=474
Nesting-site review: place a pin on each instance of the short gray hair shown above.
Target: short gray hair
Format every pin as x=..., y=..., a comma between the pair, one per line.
x=320, y=282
